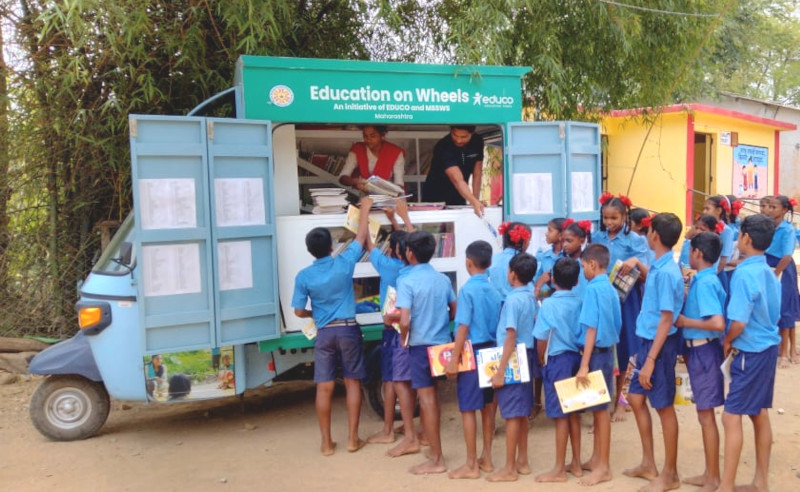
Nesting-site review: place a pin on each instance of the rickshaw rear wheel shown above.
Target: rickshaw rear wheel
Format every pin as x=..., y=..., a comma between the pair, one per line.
x=68, y=408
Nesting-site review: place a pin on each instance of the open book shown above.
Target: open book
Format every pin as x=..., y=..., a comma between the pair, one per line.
x=623, y=283
x=379, y=186
x=351, y=223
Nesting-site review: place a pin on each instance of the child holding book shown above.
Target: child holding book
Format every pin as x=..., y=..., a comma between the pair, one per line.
x=654, y=376
x=557, y=331
x=600, y=322
x=476, y=318
x=703, y=320
x=515, y=400
x=546, y=258
x=427, y=304
x=328, y=283
x=752, y=342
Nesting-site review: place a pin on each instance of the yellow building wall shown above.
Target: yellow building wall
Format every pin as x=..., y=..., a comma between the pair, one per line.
x=659, y=182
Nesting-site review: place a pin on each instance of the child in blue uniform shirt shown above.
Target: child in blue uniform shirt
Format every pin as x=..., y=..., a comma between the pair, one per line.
x=752, y=341
x=546, y=258
x=427, y=304
x=476, y=318
x=779, y=257
x=657, y=354
x=557, y=331
x=516, y=238
x=703, y=320
x=328, y=283
x=573, y=239
x=515, y=400
x=600, y=321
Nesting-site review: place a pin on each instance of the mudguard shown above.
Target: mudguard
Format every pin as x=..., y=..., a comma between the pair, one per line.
x=72, y=356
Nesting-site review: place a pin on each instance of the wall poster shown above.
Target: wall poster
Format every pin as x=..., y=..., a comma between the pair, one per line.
x=750, y=168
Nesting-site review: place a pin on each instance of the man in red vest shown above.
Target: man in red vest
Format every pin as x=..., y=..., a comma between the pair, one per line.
x=373, y=157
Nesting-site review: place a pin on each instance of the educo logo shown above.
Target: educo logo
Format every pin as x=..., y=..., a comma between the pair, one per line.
x=281, y=96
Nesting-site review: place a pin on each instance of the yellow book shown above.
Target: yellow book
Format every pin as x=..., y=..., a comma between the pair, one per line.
x=351, y=223
x=573, y=397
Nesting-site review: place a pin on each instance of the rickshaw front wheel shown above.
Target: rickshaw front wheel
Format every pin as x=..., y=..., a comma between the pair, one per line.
x=68, y=408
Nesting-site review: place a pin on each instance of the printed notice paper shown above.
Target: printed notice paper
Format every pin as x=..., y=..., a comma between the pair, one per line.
x=582, y=192
x=235, y=265
x=239, y=201
x=171, y=269
x=533, y=193
x=168, y=203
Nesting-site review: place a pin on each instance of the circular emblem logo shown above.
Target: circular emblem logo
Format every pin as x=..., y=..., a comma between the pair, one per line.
x=281, y=96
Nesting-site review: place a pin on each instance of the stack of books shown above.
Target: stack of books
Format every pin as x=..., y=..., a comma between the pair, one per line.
x=328, y=200
x=379, y=186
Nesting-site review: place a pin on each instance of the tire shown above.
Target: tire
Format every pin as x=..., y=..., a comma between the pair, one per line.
x=68, y=408
x=373, y=387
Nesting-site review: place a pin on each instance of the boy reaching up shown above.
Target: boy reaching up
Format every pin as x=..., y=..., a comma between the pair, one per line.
x=752, y=341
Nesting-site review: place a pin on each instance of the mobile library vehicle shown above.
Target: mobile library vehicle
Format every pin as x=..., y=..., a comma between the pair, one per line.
x=191, y=299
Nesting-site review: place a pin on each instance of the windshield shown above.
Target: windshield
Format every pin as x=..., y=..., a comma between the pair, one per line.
x=106, y=264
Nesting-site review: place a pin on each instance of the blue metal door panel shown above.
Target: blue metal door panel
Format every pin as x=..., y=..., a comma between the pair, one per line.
x=245, y=258
x=583, y=170
x=173, y=234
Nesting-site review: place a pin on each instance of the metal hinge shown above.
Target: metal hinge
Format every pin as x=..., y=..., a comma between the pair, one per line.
x=134, y=127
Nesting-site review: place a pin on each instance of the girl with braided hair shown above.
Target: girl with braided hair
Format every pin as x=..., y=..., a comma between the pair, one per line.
x=516, y=238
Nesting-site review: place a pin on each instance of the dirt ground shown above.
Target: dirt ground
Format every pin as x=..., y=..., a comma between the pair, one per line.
x=269, y=441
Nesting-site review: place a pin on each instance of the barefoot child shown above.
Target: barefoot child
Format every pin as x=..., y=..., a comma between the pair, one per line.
x=600, y=323
x=328, y=283
x=427, y=304
x=476, y=318
x=752, y=341
x=779, y=257
x=703, y=320
x=724, y=210
x=657, y=354
x=515, y=400
x=557, y=332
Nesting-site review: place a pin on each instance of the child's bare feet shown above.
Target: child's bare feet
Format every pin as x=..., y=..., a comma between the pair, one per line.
x=707, y=483
x=405, y=446
x=557, y=474
x=485, y=464
x=355, y=446
x=465, y=471
x=327, y=449
x=430, y=466
x=575, y=469
x=381, y=437
x=783, y=363
x=591, y=464
x=523, y=468
x=795, y=359
x=503, y=475
x=619, y=412
x=648, y=472
x=662, y=483
x=598, y=475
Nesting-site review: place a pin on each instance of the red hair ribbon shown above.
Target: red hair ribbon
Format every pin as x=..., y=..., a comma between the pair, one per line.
x=720, y=227
x=586, y=225
x=605, y=197
x=725, y=204
x=519, y=234
x=736, y=206
x=646, y=221
x=567, y=223
x=792, y=202
x=503, y=228
x=625, y=201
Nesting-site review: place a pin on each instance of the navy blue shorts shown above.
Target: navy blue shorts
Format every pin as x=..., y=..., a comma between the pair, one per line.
x=401, y=362
x=603, y=361
x=471, y=396
x=387, y=353
x=705, y=377
x=338, y=345
x=662, y=395
x=752, y=382
x=421, y=367
x=515, y=400
x=562, y=366
x=534, y=367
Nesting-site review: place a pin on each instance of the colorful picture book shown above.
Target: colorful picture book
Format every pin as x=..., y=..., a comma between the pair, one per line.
x=489, y=359
x=573, y=397
x=390, y=305
x=439, y=356
x=623, y=283
x=351, y=223
x=379, y=186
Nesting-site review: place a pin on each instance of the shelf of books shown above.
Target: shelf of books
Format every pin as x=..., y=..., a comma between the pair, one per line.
x=453, y=229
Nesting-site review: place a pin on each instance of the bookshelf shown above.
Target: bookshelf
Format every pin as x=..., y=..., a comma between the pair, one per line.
x=459, y=226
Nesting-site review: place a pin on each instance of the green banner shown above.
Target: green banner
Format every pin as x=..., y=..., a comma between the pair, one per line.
x=303, y=90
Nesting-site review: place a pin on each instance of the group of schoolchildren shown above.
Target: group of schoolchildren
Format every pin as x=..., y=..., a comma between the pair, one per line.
x=562, y=306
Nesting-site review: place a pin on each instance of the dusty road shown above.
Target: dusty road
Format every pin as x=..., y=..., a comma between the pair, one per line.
x=269, y=441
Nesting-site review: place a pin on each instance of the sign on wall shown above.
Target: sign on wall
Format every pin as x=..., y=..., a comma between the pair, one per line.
x=750, y=168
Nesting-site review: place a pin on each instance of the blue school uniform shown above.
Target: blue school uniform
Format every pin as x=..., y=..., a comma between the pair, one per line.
x=558, y=324
x=783, y=245
x=328, y=282
x=704, y=356
x=518, y=313
x=427, y=294
x=601, y=311
x=581, y=285
x=389, y=269
x=478, y=308
x=622, y=247
x=401, y=363
x=754, y=301
x=686, y=248
x=498, y=272
x=545, y=259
